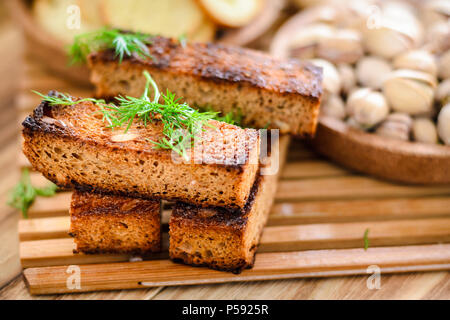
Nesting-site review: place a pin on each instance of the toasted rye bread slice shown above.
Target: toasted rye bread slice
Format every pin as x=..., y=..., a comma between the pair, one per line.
x=221, y=239
x=112, y=224
x=72, y=147
x=265, y=91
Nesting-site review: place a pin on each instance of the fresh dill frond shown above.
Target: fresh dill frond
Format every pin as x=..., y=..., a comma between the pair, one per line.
x=124, y=44
x=366, y=239
x=24, y=193
x=64, y=99
x=181, y=123
x=231, y=117
x=182, y=39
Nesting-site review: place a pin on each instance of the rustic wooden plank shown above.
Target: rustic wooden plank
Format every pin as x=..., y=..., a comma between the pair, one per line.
x=9, y=253
x=345, y=187
x=312, y=169
x=350, y=235
x=351, y=187
x=51, y=252
x=289, y=213
x=17, y=290
x=38, y=252
x=268, y=266
x=429, y=285
x=57, y=205
x=303, y=212
x=45, y=228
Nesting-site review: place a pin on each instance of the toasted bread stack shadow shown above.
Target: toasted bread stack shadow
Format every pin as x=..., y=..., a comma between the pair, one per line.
x=222, y=196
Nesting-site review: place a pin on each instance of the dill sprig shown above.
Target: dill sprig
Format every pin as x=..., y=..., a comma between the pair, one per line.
x=182, y=39
x=181, y=123
x=231, y=117
x=24, y=193
x=63, y=99
x=124, y=44
x=366, y=239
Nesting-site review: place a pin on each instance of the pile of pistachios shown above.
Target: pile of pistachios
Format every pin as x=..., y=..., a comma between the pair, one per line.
x=386, y=65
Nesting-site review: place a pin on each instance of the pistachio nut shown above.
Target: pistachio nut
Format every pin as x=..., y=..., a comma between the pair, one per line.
x=348, y=77
x=371, y=71
x=331, y=79
x=396, y=126
x=343, y=46
x=410, y=91
x=420, y=60
x=367, y=107
x=333, y=106
x=442, y=94
x=444, y=65
x=443, y=124
x=424, y=130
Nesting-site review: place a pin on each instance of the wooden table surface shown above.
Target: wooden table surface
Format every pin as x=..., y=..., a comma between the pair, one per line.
x=431, y=285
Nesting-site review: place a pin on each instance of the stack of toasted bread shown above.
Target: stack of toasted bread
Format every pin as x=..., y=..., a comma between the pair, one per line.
x=221, y=199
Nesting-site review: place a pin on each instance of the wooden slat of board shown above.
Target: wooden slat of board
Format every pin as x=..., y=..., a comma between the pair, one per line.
x=274, y=239
x=302, y=212
x=351, y=235
x=268, y=266
x=358, y=210
x=56, y=205
x=45, y=228
x=351, y=187
x=312, y=169
x=51, y=252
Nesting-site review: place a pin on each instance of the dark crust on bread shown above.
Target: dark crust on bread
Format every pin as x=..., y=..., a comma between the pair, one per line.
x=101, y=204
x=235, y=218
x=242, y=265
x=224, y=63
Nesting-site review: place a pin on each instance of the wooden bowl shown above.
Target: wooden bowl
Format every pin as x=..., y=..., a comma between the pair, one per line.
x=44, y=46
x=400, y=161
x=50, y=50
x=261, y=24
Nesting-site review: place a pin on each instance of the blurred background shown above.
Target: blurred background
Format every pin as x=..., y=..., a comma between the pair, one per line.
x=359, y=43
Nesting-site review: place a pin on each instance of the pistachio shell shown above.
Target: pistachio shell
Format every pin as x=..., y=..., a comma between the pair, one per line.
x=420, y=60
x=443, y=124
x=396, y=126
x=348, y=77
x=438, y=37
x=444, y=65
x=304, y=43
x=435, y=11
x=410, y=91
x=442, y=94
x=396, y=31
x=334, y=107
x=343, y=46
x=386, y=42
x=367, y=107
x=331, y=79
x=424, y=130
x=372, y=71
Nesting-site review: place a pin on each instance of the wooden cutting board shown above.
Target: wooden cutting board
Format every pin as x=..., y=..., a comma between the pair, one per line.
x=316, y=228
